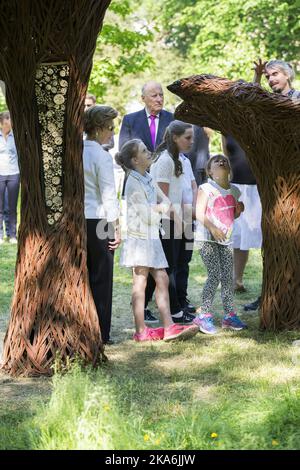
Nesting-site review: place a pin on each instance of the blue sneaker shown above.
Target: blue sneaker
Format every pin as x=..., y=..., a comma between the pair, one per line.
x=233, y=322
x=205, y=323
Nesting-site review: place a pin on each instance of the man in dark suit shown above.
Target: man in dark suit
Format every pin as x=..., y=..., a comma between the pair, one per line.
x=149, y=125
x=139, y=125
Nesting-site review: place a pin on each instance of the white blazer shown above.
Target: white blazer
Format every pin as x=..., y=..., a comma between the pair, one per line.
x=100, y=197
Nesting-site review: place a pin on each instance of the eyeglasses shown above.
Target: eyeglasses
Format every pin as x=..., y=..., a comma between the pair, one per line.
x=110, y=128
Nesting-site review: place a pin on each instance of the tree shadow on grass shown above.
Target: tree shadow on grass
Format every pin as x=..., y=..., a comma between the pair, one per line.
x=163, y=384
x=175, y=373
x=231, y=386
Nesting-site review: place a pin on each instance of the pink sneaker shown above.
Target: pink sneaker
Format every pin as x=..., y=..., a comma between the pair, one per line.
x=149, y=334
x=180, y=332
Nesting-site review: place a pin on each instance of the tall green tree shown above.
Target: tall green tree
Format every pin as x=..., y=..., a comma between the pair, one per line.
x=121, y=51
x=130, y=51
x=225, y=37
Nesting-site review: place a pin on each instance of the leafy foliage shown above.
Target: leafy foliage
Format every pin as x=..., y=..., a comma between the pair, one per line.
x=121, y=48
x=225, y=37
x=3, y=106
x=200, y=36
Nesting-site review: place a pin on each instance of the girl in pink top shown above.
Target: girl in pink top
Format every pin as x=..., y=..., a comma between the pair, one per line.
x=217, y=207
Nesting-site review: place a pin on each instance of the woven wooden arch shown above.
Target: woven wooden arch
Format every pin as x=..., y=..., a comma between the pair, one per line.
x=45, y=61
x=268, y=128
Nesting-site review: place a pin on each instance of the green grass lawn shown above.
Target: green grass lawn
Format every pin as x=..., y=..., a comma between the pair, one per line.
x=235, y=390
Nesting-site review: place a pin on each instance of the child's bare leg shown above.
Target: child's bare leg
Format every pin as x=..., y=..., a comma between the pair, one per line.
x=162, y=295
x=140, y=275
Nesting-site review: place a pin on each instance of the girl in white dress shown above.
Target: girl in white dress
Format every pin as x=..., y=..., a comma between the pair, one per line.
x=142, y=249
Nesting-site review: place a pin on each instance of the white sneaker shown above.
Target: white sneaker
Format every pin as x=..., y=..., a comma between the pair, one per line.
x=1, y=241
x=13, y=240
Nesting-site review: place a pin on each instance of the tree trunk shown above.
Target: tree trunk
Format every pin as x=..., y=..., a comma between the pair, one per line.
x=280, y=309
x=267, y=126
x=52, y=312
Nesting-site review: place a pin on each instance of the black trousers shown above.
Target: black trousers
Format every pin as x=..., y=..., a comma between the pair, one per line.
x=100, y=263
x=171, y=247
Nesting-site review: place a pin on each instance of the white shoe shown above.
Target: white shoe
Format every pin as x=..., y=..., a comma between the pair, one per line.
x=13, y=240
x=1, y=241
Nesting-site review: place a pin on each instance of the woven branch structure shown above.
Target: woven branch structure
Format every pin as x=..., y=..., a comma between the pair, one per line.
x=46, y=56
x=267, y=126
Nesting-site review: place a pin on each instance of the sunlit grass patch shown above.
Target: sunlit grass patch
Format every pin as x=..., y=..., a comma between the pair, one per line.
x=84, y=413
x=234, y=390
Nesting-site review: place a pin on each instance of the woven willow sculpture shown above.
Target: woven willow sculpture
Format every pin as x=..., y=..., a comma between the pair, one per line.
x=45, y=61
x=268, y=128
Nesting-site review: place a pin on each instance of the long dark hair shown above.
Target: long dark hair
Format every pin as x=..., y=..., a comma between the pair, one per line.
x=177, y=128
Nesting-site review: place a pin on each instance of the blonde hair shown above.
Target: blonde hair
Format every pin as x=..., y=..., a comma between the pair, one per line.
x=98, y=116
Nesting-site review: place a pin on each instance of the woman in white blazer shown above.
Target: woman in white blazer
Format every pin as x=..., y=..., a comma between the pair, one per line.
x=101, y=209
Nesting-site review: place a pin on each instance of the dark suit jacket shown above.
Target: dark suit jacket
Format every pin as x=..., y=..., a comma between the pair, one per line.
x=199, y=154
x=136, y=126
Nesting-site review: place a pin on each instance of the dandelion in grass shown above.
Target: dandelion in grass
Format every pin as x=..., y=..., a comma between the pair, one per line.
x=275, y=442
x=106, y=407
x=214, y=435
x=146, y=437
x=157, y=442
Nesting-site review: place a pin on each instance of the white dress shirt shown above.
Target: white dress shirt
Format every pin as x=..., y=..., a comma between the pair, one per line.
x=188, y=178
x=100, y=197
x=163, y=171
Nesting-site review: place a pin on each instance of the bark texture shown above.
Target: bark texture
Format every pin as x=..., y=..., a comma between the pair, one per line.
x=52, y=309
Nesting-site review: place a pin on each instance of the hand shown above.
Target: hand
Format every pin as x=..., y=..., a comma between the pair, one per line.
x=259, y=70
x=218, y=234
x=113, y=244
x=239, y=208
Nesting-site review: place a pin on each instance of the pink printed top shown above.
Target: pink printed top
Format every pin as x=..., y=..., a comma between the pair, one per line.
x=220, y=211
